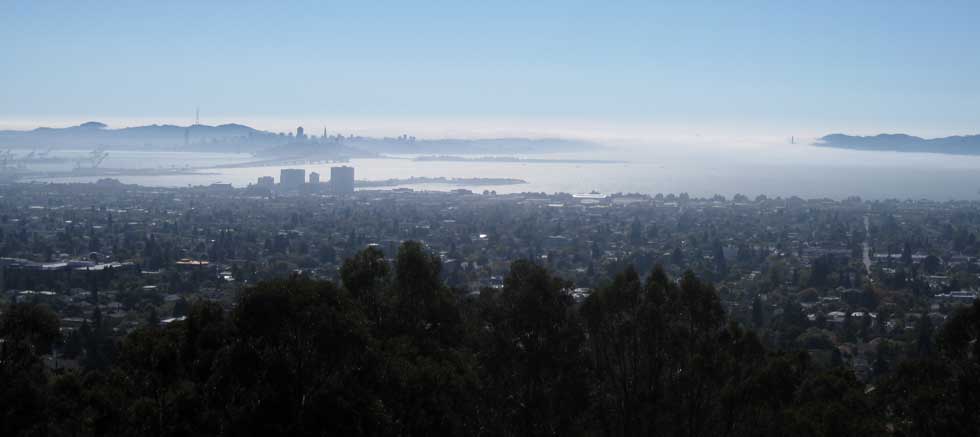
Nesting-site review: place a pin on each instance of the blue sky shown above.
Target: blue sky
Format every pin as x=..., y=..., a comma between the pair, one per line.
x=765, y=67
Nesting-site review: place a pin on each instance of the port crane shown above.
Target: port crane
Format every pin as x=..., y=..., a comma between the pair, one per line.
x=93, y=160
x=6, y=157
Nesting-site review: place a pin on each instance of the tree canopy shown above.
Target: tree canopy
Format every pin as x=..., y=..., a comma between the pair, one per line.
x=391, y=350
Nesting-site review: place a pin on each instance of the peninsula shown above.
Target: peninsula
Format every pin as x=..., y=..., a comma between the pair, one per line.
x=954, y=145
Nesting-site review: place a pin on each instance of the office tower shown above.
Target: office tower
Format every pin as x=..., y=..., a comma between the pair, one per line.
x=342, y=179
x=314, y=178
x=266, y=181
x=292, y=177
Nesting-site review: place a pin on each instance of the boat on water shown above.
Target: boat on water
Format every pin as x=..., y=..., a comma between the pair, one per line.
x=590, y=195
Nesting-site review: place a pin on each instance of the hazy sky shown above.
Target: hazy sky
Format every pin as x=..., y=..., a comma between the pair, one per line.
x=733, y=68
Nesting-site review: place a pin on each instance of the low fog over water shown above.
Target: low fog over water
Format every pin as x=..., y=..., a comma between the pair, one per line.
x=700, y=170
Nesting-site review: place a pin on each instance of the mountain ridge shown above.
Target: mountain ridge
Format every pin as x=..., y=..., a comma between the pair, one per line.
x=899, y=142
x=234, y=137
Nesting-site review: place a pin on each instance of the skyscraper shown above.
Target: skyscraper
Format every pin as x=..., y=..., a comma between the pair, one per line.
x=342, y=179
x=292, y=177
x=300, y=134
x=314, y=178
x=266, y=181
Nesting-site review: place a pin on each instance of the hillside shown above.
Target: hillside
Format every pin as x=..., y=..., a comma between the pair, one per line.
x=954, y=145
x=241, y=138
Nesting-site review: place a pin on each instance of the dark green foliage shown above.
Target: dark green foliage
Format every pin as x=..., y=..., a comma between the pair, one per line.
x=758, y=313
x=26, y=332
x=28, y=326
x=298, y=352
x=938, y=394
x=531, y=354
x=832, y=403
x=959, y=338
x=394, y=351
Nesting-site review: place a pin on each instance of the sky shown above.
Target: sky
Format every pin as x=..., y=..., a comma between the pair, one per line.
x=619, y=69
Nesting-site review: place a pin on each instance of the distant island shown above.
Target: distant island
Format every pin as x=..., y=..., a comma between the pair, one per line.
x=955, y=145
x=238, y=138
x=450, y=158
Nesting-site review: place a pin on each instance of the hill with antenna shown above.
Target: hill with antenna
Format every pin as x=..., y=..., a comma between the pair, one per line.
x=244, y=139
x=197, y=137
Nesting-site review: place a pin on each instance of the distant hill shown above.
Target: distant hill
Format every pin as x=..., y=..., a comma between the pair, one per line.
x=241, y=138
x=198, y=137
x=955, y=145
